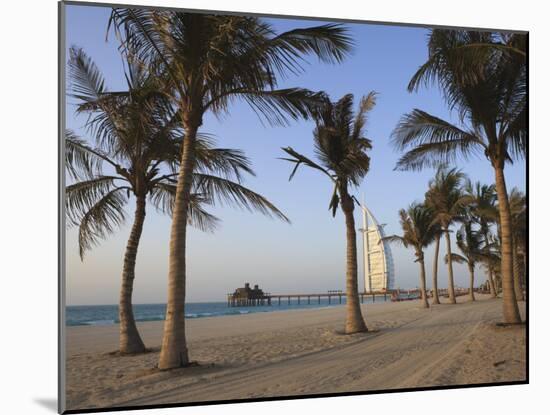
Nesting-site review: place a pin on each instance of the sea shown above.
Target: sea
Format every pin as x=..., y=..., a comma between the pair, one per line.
x=99, y=315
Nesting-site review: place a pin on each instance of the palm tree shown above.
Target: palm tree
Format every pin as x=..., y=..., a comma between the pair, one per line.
x=518, y=210
x=446, y=200
x=341, y=150
x=419, y=231
x=470, y=243
x=209, y=61
x=438, y=233
x=484, y=211
x=491, y=101
x=136, y=138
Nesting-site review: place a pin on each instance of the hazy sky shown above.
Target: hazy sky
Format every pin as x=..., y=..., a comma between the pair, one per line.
x=309, y=254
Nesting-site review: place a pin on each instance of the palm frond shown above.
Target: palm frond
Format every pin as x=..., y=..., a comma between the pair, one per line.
x=276, y=106
x=83, y=195
x=88, y=87
x=101, y=219
x=365, y=106
x=86, y=81
x=459, y=259
x=395, y=239
x=163, y=195
x=433, y=141
x=226, y=162
x=299, y=159
x=228, y=192
x=81, y=160
x=330, y=43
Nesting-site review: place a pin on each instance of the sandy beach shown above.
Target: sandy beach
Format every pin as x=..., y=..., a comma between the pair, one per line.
x=301, y=352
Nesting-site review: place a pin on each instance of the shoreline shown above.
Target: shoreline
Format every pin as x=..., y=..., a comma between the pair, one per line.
x=243, y=310
x=276, y=354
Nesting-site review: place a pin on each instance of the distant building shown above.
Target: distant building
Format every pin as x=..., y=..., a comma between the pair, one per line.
x=377, y=256
x=246, y=296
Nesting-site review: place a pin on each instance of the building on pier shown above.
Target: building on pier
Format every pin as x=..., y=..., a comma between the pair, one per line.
x=246, y=296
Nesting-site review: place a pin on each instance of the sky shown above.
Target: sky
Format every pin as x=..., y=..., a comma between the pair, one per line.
x=308, y=254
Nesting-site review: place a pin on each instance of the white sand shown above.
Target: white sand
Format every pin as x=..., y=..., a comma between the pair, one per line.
x=301, y=352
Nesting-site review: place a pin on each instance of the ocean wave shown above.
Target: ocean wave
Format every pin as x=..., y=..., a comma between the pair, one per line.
x=198, y=315
x=99, y=322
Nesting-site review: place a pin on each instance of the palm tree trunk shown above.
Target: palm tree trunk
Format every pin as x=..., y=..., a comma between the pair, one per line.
x=451, y=288
x=492, y=287
x=354, y=318
x=516, y=269
x=436, y=259
x=471, y=268
x=492, y=284
x=509, y=304
x=423, y=282
x=130, y=340
x=173, y=352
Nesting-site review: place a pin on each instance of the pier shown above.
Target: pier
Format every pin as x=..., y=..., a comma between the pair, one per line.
x=253, y=297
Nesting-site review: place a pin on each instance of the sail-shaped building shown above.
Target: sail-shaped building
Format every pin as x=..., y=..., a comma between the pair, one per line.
x=377, y=257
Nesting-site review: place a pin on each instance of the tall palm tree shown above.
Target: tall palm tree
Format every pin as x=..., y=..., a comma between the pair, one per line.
x=419, y=231
x=341, y=150
x=484, y=211
x=518, y=210
x=139, y=142
x=490, y=97
x=435, y=288
x=446, y=200
x=209, y=61
x=470, y=243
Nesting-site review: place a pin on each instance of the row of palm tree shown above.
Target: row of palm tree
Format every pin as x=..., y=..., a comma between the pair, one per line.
x=483, y=77
x=453, y=199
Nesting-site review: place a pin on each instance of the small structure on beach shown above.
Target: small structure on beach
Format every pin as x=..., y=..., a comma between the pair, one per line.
x=246, y=296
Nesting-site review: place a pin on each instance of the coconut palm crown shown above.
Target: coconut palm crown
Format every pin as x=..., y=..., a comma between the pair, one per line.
x=471, y=243
x=419, y=231
x=341, y=150
x=446, y=199
x=484, y=211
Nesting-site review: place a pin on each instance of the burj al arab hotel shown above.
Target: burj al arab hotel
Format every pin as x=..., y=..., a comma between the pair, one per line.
x=377, y=257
